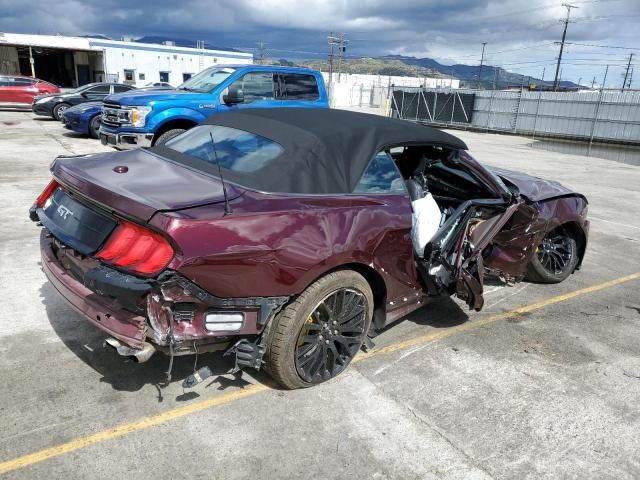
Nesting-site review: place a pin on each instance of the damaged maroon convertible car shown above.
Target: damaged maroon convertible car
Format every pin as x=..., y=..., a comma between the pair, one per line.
x=284, y=236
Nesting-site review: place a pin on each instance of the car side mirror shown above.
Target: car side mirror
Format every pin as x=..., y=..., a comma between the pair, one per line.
x=233, y=96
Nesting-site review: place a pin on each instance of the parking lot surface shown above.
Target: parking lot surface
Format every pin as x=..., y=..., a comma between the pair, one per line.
x=544, y=382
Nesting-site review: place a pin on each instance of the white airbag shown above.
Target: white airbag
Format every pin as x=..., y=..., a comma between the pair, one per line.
x=426, y=221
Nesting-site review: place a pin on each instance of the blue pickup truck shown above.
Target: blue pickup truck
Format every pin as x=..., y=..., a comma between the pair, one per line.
x=146, y=118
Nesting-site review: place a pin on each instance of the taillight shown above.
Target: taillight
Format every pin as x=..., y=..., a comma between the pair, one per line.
x=136, y=249
x=47, y=192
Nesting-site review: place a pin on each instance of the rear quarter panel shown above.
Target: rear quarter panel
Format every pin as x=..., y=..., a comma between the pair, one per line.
x=291, y=242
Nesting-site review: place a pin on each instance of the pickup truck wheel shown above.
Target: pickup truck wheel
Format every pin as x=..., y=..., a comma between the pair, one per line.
x=94, y=126
x=555, y=258
x=58, y=110
x=315, y=337
x=168, y=135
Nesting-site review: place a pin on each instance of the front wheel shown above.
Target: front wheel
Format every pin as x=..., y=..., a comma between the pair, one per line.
x=58, y=110
x=168, y=135
x=315, y=337
x=555, y=258
x=94, y=126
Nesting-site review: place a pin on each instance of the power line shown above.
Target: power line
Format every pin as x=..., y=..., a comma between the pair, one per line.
x=601, y=46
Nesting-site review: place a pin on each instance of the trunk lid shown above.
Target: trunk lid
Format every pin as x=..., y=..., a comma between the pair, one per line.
x=148, y=183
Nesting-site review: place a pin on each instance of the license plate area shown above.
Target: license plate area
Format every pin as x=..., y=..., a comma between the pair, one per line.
x=74, y=223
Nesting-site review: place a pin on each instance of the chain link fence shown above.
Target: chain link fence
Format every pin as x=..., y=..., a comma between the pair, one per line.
x=594, y=116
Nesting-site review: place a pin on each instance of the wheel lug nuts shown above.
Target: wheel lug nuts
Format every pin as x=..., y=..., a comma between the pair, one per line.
x=327, y=342
x=334, y=322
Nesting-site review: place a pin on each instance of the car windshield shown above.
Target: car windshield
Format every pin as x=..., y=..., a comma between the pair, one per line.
x=234, y=150
x=207, y=80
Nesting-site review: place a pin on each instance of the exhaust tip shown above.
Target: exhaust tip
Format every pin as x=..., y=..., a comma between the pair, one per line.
x=139, y=355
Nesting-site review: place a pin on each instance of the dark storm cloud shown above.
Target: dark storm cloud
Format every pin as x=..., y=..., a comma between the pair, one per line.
x=450, y=31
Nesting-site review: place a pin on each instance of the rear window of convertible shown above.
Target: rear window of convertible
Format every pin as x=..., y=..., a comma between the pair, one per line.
x=235, y=150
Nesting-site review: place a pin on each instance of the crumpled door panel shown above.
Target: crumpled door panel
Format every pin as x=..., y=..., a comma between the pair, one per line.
x=453, y=261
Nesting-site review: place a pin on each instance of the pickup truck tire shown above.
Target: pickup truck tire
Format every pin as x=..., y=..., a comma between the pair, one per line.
x=58, y=110
x=314, y=338
x=168, y=135
x=94, y=126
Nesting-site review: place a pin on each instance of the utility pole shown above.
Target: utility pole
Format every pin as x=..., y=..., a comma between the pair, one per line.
x=626, y=73
x=484, y=44
x=331, y=41
x=342, y=48
x=336, y=40
x=261, y=48
x=593, y=82
x=556, y=83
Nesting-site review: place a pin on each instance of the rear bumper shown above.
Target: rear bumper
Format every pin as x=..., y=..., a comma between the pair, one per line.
x=126, y=140
x=103, y=312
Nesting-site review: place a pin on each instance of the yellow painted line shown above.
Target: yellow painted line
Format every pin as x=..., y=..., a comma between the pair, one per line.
x=415, y=341
x=151, y=421
x=126, y=428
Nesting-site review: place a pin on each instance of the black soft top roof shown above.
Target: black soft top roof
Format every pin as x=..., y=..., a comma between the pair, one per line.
x=325, y=151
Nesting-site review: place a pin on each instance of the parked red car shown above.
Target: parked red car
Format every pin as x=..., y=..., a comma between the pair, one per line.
x=18, y=91
x=286, y=234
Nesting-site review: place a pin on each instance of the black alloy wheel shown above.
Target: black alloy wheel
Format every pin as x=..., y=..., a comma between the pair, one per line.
x=315, y=336
x=331, y=336
x=555, y=258
x=555, y=253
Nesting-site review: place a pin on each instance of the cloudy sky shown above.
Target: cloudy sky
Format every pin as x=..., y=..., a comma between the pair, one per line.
x=520, y=35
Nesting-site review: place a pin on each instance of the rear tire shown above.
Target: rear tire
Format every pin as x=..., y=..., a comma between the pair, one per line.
x=94, y=126
x=555, y=258
x=168, y=135
x=302, y=346
x=58, y=110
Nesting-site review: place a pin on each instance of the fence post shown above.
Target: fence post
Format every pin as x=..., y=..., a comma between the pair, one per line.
x=453, y=107
x=515, y=124
x=535, y=120
x=595, y=117
x=495, y=76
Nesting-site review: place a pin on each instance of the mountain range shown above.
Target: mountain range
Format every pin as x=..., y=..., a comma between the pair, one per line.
x=395, y=65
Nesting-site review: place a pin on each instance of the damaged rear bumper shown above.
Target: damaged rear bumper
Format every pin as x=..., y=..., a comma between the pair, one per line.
x=167, y=314
x=104, y=312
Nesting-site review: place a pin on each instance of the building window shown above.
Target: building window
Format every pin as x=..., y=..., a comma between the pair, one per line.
x=141, y=76
x=186, y=76
x=164, y=77
x=129, y=75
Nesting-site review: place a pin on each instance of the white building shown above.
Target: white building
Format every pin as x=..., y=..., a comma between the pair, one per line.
x=74, y=61
x=364, y=90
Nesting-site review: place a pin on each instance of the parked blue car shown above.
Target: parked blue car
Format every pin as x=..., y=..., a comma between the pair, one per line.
x=146, y=118
x=84, y=118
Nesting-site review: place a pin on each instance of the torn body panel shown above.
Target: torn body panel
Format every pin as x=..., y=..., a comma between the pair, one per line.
x=134, y=310
x=513, y=247
x=453, y=261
